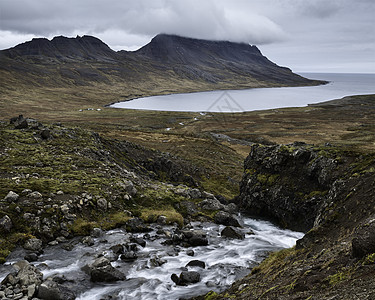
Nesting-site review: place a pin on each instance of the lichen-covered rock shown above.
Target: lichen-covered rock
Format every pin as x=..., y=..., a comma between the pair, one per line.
x=33, y=244
x=11, y=197
x=5, y=224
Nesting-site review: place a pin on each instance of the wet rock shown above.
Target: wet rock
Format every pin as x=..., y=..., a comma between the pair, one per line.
x=117, y=249
x=51, y=290
x=232, y=233
x=190, y=253
x=88, y=240
x=138, y=241
x=26, y=275
x=196, y=263
x=186, y=277
x=11, y=197
x=226, y=219
x=195, y=237
x=6, y=224
x=30, y=257
x=129, y=256
x=33, y=244
x=102, y=271
x=156, y=262
x=231, y=208
x=363, y=242
x=96, y=232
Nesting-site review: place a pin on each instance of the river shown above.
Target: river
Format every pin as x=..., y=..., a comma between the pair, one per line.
x=340, y=85
x=226, y=261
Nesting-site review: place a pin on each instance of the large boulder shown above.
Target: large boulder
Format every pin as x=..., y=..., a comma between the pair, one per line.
x=33, y=244
x=227, y=219
x=101, y=270
x=51, y=290
x=11, y=197
x=186, y=277
x=232, y=233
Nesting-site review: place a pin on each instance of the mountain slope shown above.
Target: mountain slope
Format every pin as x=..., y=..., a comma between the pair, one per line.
x=172, y=61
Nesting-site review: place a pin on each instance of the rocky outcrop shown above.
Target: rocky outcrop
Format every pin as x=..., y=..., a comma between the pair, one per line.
x=287, y=183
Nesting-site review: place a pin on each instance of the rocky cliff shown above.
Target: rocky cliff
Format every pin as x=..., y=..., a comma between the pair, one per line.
x=327, y=191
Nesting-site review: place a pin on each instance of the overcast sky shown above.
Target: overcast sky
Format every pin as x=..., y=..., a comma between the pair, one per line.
x=305, y=35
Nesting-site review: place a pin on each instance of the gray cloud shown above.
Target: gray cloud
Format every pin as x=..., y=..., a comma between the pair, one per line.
x=195, y=18
x=290, y=31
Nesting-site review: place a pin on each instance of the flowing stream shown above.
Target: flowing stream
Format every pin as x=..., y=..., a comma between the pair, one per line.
x=226, y=261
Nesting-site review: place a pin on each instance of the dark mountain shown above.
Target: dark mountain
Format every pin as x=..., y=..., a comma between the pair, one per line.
x=64, y=49
x=167, y=64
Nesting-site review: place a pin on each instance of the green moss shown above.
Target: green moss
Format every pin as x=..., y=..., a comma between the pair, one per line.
x=151, y=215
x=343, y=275
x=369, y=259
x=267, y=179
x=211, y=295
x=274, y=260
x=82, y=226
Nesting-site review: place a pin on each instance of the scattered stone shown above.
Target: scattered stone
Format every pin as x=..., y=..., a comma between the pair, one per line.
x=196, y=263
x=45, y=134
x=232, y=233
x=162, y=220
x=33, y=244
x=6, y=224
x=19, y=122
x=87, y=240
x=64, y=209
x=35, y=195
x=102, y=204
x=60, y=193
x=96, y=232
x=11, y=197
x=194, y=193
x=51, y=290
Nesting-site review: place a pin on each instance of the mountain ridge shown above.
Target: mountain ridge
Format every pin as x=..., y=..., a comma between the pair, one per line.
x=168, y=64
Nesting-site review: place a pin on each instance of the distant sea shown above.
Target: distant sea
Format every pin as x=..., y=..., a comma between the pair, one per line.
x=340, y=85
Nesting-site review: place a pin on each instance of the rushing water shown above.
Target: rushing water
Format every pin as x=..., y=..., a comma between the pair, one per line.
x=226, y=260
x=340, y=85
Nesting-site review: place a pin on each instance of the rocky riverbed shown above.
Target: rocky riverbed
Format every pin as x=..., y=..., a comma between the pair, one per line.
x=161, y=262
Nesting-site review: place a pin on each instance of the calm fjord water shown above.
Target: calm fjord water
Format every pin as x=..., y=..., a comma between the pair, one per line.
x=340, y=85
